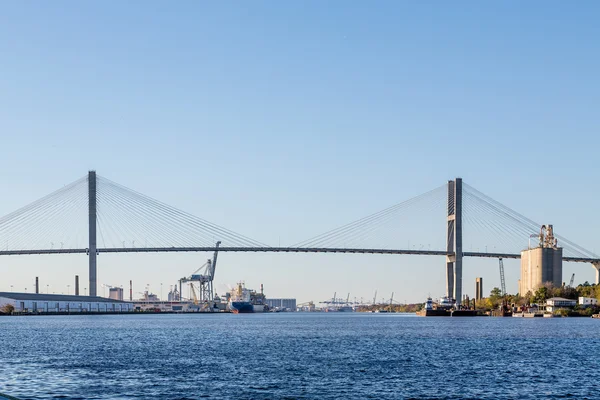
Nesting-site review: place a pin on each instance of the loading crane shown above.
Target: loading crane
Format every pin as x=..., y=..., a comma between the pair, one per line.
x=572, y=280
x=194, y=293
x=309, y=305
x=502, y=281
x=204, y=277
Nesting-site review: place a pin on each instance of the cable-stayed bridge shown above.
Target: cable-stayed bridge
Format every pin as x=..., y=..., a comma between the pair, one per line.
x=95, y=215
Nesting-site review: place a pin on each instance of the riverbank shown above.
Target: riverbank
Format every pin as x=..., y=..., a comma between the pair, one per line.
x=27, y=314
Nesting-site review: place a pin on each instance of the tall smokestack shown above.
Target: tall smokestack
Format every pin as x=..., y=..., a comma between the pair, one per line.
x=37, y=284
x=76, y=285
x=130, y=291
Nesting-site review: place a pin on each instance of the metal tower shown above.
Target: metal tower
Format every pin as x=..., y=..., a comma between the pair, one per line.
x=454, y=241
x=502, y=280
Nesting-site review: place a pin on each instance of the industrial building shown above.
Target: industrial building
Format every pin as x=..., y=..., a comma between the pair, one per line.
x=38, y=303
x=281, y=304
x=541, y=264
x=478, y=288
x=115, y=293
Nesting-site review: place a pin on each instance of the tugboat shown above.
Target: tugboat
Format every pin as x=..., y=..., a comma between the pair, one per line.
x=239, y=300
x=446, y=303
x=429, y=310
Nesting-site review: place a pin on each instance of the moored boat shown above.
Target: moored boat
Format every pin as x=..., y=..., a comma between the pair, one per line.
x=239, y=300
x=429, y=310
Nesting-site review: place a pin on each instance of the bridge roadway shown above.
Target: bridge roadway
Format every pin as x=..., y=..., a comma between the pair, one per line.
x=277, y=250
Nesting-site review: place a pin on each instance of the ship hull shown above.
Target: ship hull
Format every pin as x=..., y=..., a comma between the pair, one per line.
x=241, y=307
x=434, y=313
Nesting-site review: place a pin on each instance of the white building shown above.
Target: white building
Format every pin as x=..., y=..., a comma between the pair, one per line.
x=39, y=303
x=588, y=301
x=557, y=303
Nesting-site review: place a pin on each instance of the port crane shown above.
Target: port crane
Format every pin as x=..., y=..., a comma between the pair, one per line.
x=309, y=305
x=204, y=276
x=194, y=294
x=572, y=280
x=502, y=281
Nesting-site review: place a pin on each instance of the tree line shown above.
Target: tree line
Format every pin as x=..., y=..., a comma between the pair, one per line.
x=540, y=296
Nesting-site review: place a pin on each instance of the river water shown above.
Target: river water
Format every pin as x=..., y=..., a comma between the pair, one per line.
x=298, y=356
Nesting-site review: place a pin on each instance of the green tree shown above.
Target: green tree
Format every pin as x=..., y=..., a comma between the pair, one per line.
x=540, y=295
x=587, y=290
x=495, y=293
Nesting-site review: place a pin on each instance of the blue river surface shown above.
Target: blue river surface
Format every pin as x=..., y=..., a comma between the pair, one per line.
x=298, y=356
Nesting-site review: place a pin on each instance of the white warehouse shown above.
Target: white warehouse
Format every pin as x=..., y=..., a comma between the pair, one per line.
x=35, y=303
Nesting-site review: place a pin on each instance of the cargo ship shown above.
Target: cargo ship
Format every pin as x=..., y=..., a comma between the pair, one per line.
x=259, y=301
x=239, y=300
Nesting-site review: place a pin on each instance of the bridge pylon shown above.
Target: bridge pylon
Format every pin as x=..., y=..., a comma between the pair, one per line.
x=454, y=241
x=92, y=249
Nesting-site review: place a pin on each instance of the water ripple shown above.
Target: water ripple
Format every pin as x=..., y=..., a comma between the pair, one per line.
x=298, y=356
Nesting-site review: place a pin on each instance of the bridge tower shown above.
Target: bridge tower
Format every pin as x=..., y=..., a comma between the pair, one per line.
x=454, y=241
x=92, y=250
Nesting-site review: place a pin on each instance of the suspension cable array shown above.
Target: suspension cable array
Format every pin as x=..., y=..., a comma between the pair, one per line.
x=55, y=221
x=392, y=227
x=127, y=218
x=503, y=230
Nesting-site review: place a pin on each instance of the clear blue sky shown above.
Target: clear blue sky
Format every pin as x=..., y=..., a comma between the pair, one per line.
x=281, y=120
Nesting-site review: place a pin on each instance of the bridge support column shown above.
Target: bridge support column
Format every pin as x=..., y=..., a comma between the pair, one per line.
x=454, y=241
x=597, y=266
x=92, y=250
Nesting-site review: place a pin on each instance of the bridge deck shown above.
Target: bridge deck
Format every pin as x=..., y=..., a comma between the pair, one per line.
x=277, y=250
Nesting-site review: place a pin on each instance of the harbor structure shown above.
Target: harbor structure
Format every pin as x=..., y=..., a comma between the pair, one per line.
x=281, y=304
x=174, y=294
x=478, y=288
x=115, y=293
x=541, y=264
x=41, y=303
